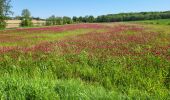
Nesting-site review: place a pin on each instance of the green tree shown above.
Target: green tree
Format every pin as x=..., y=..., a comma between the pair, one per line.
x=75, y=19
x=133, y=16
x=26, y=18
x=85, y=19
x=80, y=19
x=4, y=12
x=67, y=20
x=91, y=19
x=54, y=21
x=58, y=20
x=48, y=22
x=51, y=21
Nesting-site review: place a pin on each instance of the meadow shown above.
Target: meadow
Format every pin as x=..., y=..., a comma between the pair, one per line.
x=108, y=61
x=16, y=23
x=156, y=22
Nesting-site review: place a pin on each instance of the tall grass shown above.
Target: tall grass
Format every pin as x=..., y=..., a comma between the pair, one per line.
x=52, y=76
x=126, y=63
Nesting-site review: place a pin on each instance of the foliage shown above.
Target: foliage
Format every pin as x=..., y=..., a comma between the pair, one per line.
x=155, y=22
x=121, y=62
x=58, y=20
x=2, y=22
x=4, y=12
x=102, y=76
x=26, y=13
x=67, y=20
x=80, y=19
x=51, y=21
x=75, y=19
x=26, y=18
x=133, y=16
x=124, y=17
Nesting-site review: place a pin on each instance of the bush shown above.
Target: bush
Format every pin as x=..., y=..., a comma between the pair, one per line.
x=67, y=20
x=151, y=23
x=26, y=22
x=157, y=23
x=2, y=24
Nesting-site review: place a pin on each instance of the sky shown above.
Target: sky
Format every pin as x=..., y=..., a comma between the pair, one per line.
x=46, y=8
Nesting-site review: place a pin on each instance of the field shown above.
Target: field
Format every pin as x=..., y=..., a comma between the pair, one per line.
x=16, y=23
x=108, y=61
x=156, y=22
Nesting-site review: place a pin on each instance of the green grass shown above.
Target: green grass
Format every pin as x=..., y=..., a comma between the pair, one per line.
x=86, y=78
x=33, y=39
x=96, y=75
x=45, y=89
x=155, y=22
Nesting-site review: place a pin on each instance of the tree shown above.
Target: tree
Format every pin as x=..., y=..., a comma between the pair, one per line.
x=67, y=20
x=54, y=20
x=48, y=21
x=133, y=16
x=75, y=19
x=85, y=19
x=51, y=21
x=80, y=19
x=59, y=20
x=4, y=12
x=26, y=13
x=26, y=18
x=91, y=19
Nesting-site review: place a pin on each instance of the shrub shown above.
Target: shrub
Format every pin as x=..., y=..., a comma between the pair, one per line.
x=157, y=22
x=67, y=20
x=151, y=23
x=26, y=22
x=2, y=24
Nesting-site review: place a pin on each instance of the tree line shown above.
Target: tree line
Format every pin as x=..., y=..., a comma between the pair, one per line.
x=109, y=18
x=68, y=20
x=53, y=20
x=133, y=16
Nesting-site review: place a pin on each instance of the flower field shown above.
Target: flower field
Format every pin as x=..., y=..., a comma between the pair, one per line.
x=107, y=61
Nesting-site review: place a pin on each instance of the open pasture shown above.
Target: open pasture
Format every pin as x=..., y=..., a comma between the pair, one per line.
x=156, y=22
x=86, y=61
x=16, y=23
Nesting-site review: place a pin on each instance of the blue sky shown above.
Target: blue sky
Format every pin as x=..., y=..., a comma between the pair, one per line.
x=46, y=8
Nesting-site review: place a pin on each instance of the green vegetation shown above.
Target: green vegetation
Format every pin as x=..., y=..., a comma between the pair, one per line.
x=58, y=20
x=112, y=78
x=133, y=16
x=110, y=18
x=32, y=39
x=156, y=22
x=109, y=61
x=103, y=61
x=4, y=12
x=26, y=18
